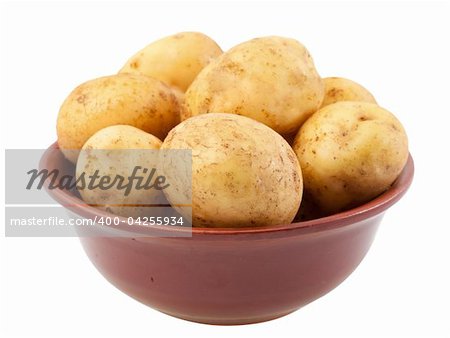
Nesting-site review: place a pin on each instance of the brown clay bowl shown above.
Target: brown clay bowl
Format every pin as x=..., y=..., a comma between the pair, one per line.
x=235, y=276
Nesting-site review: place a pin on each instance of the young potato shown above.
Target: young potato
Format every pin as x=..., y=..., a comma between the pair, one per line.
x=175, y=60
x=180, y=98
x=243, y=173
x=341, y=89
x=272, y=80
x=135, y=100
x=349, y=153
x=117, y=150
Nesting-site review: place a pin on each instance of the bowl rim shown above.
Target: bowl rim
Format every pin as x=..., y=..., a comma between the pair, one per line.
x=365, y=211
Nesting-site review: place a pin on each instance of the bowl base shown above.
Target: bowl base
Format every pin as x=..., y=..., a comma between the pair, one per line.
x=229, y=321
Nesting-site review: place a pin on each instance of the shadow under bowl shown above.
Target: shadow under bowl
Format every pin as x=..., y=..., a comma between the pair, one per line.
x=234, y=276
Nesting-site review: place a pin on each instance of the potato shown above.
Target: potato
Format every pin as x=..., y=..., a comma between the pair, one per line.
x=135, y=100
x=349, y=153
x=117, y=150
x=180, y=98
x=175, y=60
x=341, y=89
x=243, y=173
x=270, y=79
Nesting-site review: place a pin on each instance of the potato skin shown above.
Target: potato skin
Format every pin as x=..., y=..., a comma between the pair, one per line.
x=135, y=100
x=180, y=98
x=122, y=137
x=243, y=173
x=342, y=89
x=271, y=79
x=349, y=153
x=126, y=141
x=175, y=60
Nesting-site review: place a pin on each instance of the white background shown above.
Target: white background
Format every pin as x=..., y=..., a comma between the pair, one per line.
x=397, y=50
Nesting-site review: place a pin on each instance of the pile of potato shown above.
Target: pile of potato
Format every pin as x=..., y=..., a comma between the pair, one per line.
x=262, y=125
